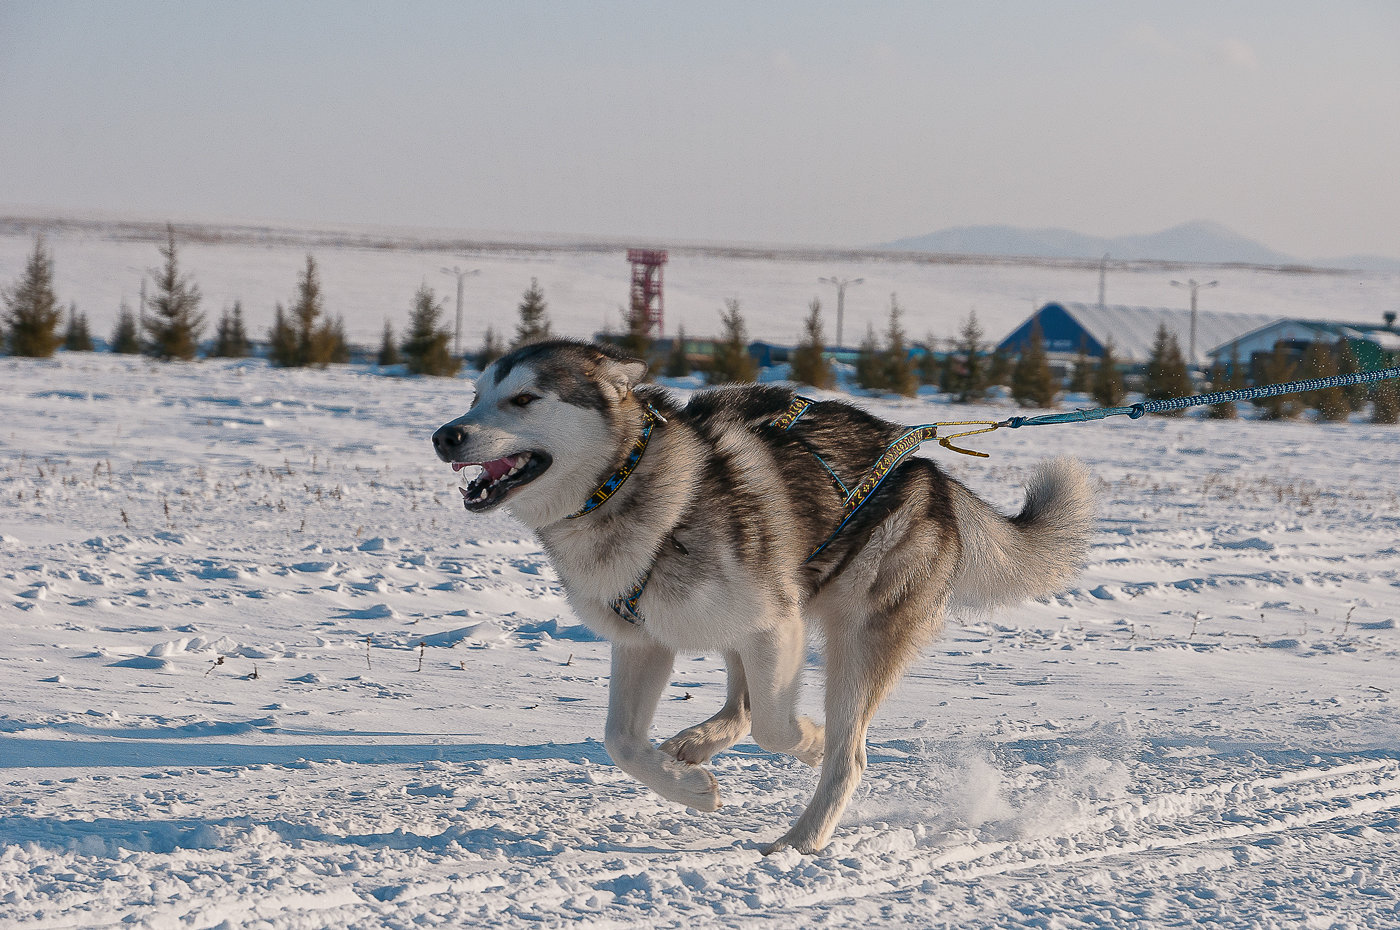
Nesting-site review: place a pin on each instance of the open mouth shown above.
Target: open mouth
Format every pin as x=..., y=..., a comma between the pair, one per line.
x=499, y=477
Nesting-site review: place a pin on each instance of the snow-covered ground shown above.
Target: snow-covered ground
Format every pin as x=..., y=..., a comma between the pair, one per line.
x=260, y=670
x=587, y=285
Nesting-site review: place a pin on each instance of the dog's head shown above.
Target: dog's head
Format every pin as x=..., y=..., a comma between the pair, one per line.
x=544, y=427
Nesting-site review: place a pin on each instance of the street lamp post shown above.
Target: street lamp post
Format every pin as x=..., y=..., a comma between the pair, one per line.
x=840, y=284
x=1194, y=287
x=461, y=275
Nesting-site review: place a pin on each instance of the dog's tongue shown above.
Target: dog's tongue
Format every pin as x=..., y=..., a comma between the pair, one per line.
x=494, y=470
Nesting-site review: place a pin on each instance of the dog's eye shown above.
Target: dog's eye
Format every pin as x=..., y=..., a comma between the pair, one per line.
x=524, y=399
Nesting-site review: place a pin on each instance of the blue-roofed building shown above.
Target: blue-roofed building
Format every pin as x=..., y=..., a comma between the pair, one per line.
x=1066, y=327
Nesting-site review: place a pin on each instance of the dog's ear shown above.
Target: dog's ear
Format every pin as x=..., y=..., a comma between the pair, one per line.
x=624, y=373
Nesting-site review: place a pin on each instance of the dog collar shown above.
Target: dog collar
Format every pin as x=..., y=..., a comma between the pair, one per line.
x=608, y=488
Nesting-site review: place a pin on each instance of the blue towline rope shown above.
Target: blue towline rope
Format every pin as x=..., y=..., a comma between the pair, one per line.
x=1135, y=411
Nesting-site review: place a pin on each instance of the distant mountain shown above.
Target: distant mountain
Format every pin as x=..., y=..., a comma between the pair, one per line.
x=1190, y=242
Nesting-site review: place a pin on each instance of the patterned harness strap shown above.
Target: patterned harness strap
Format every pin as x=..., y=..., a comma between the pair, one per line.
x=856, y=498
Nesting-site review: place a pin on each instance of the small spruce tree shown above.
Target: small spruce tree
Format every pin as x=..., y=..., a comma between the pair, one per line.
x=636, y=337
x=1223, y=378
x=534, y=317
x=809, y=362
x=900, y=376
x=1032, y=383
x=126, y=340
x=1385, y=400
x=230, y=337
x=1106, y=386
x=972, y=378
x=173, y=322
x=426, y=346
x=282, y=340
x=1166, y=370
x=1330, y=403
x=999, y=367
x=1081, y=378
x=933, y=368
x=1279, y=368
x=31, y=317
x=870, y=370
x=77, y=338
x=732, y=362
x=678, y=362
x=1348, y=364
x=491, y=349
x=388, y=348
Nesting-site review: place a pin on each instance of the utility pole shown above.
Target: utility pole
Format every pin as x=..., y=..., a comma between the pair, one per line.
x=840, y=284
x=1194, y=286
x=461, y=275
x=1103, y=276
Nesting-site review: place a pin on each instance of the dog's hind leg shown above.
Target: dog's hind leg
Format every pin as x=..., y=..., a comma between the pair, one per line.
x=875, y=619
x=699, y=743
x=640, y=672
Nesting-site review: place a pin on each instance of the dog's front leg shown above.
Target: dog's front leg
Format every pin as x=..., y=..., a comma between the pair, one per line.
x=640, y=672
x=699, y=743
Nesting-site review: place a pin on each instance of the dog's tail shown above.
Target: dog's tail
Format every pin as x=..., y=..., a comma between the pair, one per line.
x=1006, y=560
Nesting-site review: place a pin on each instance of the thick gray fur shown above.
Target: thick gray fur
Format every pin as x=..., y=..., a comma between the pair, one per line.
x=724, y=508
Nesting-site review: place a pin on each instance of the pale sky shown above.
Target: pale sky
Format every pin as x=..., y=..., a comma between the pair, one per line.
x=785, y=122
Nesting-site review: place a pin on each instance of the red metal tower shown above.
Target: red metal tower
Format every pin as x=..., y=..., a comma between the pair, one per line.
x=646, y=287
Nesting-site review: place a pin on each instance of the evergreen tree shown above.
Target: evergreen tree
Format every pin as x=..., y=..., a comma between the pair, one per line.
x=809, y=362
x=282, y=341
x=1347, y=364
x=946, y=369
x=230, y=337
x=1032, y=383
x=972, y=378
x=388, y=348
x=733, y=363
x=534, y=317
x=1106, y=386
x=636, y=338
x=426, y=347
x=1385, y=397
x=899, y=369
x=933, y=369
x=77, y=339
x=870, y=370
x=338, y=346
x=174, y=323
x=31, y=315
x=319, y=340
x=998, y=367
x=1222, y=380
x=1330, y=403
x=125, y=338
x=677, y=362
x=1279, y=368
x=1081, y=378
x=491, y=349
x=1166, y=370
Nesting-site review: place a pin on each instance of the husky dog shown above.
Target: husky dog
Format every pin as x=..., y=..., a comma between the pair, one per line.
x=696, y=528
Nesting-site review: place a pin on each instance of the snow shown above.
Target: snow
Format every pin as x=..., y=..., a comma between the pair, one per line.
x=261, y=670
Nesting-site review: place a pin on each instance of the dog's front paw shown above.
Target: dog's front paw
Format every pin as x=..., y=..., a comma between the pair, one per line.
x=698, y=744
x=690, y=785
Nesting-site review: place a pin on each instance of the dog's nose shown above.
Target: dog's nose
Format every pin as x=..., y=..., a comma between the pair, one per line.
x=447, y=438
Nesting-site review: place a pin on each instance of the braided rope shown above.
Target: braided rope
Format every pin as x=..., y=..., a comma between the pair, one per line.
x=1219, y=397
